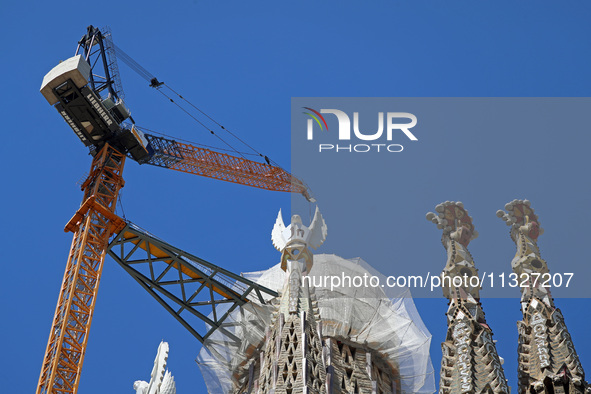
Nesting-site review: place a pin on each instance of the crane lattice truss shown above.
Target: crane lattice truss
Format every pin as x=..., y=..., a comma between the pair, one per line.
x=184, y=284
x=92, y=225
x=205, y=162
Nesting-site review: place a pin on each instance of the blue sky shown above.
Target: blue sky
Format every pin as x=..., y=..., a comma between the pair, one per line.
x=242, y=62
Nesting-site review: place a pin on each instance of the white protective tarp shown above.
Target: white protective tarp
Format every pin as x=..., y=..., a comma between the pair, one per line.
x=383, y=319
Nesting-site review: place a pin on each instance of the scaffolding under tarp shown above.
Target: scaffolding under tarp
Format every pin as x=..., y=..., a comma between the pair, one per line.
x=382, y=320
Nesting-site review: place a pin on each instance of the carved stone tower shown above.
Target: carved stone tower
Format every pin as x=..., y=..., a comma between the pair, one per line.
x=548, y=362
x=316, y=336
x=470, y=362
x=292, y=360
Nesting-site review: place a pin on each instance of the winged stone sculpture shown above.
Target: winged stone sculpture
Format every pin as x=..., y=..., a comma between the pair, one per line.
x=161, y=381
x=293, y=241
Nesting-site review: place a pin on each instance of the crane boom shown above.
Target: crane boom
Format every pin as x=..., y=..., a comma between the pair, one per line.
x=205, y=162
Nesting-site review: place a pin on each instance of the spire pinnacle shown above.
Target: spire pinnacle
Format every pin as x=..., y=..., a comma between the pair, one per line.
x=470, y=362
x=548, y=361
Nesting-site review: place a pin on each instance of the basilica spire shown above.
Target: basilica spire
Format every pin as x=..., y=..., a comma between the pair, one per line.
x=548, y=361
x=470, y=362
x=293, y=360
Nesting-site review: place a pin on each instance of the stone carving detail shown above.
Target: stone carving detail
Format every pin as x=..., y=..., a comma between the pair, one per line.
x=548, y=362
x=470, y=362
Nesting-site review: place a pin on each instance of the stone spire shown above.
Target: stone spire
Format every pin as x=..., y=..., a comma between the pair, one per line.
x=548, y=362
x=356, y=349
x=470, y=362
x=293, y=361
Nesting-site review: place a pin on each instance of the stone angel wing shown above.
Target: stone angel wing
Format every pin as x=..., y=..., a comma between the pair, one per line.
x=277, y=234
x=168, y=386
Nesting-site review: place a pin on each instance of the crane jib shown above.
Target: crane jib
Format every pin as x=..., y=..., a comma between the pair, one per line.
x=187, y=158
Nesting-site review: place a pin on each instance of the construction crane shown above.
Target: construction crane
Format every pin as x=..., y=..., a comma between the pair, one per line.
x=86, y=91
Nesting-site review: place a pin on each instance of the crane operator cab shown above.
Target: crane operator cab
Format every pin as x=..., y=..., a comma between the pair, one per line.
x=95, y=120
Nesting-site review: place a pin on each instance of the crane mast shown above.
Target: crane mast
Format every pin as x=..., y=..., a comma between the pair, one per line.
x=92, y=225
x=90, y=101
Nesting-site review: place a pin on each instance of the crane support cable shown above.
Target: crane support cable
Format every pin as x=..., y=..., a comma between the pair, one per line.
x=155, y=83
x=201, y=123
x=216, y=122
x=135, y=66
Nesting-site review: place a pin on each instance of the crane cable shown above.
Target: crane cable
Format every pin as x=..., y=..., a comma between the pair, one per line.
x=201, y=123
x=135, y=66
x=221, y=126
x=142, y=72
